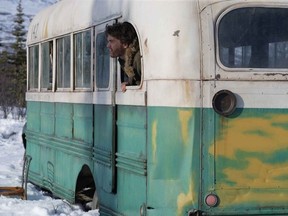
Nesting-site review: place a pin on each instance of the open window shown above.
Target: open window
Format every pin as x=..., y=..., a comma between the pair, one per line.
x=130, y=66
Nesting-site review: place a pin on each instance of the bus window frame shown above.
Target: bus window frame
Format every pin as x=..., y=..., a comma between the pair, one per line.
x=70, y=88
x=221, y=68
x=83, y=89
x=45, y=89
x=29, y=88
x=100, y=29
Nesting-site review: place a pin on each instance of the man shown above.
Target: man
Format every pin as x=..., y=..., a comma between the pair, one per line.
x=123, y=44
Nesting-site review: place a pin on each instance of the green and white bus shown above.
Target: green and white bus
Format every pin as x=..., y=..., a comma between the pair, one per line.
x=205, y=132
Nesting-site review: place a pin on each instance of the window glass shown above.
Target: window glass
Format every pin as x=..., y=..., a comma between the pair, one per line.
x=83, y=59
x=46, y=52
x=254, y=38
x=102, y=61
x=63, y=62
x=33, y=67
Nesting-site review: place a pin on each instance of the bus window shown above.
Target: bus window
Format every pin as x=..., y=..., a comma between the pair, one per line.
x=254, y=38
x=82, y=59
x=46, y=52
x=102, y=61
x=128, y=53
x=63, y=62
x=33, y=67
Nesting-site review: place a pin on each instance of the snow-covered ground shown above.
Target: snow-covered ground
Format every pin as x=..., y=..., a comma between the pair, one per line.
x=38, y=203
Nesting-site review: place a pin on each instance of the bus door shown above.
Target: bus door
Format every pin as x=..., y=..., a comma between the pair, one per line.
x=245, y=115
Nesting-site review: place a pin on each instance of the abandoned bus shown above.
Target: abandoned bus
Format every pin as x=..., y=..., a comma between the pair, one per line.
x=204, y=133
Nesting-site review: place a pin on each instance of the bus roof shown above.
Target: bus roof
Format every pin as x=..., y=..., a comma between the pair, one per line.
x=69, y=16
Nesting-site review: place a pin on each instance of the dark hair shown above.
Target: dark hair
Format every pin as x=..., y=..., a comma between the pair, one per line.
x=124, y=32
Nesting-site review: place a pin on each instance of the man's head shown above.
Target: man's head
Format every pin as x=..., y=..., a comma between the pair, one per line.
x=119, y=37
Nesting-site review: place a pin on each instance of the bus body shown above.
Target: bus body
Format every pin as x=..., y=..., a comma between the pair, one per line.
x=205, y=133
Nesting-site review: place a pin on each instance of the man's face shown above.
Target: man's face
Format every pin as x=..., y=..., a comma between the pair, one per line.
x=116, y=48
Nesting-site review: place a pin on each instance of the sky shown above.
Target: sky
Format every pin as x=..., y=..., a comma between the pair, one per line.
x=38, y=203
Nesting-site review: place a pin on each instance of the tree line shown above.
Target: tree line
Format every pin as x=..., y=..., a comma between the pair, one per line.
x=13, y=69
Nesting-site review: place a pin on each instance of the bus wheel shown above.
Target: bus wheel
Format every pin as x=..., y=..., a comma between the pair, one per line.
x=95, y=201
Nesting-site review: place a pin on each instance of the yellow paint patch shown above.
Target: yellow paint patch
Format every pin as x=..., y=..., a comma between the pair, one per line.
x=154, y=139
x=257, y=175
x=253, y=137
x=250, y=135
x=184, y=117
x=236, y=197
x=185, y=199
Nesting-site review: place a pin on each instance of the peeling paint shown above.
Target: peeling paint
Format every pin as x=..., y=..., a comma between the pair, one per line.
x=154, y=139
x=185, y=199
x=184, y=117
x=251, y=161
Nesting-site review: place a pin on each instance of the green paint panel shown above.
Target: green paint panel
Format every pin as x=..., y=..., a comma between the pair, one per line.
x=131, y=192
x=47, y=118
x=57, y=156
x=166, y=158
x=131, y=130
x=83, y=123
x=64, y=121
x=131, y=158
x=33, y=112
x=34, y=149
x=104, y=148
x=173, y=160
x=130, y=161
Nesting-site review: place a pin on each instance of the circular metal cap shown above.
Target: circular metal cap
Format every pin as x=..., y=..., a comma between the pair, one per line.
x=224, y=102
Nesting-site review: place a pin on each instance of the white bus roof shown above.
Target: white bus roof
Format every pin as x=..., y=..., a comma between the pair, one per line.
x=69, y=16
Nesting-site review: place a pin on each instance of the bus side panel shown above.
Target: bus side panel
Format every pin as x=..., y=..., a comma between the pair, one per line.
x=174, y=160
x=246, y=163
x=131, y=158
x=103, y=155
x=57, y=154
x=33, y=113
x=33, y=149
x=64, y=121
x=83, y=123
x=47, y=118
x=74, y=152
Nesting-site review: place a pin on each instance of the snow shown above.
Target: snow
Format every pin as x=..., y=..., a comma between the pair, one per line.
x=39, y=203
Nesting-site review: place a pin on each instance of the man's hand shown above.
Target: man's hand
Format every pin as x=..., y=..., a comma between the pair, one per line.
x=123, y=86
